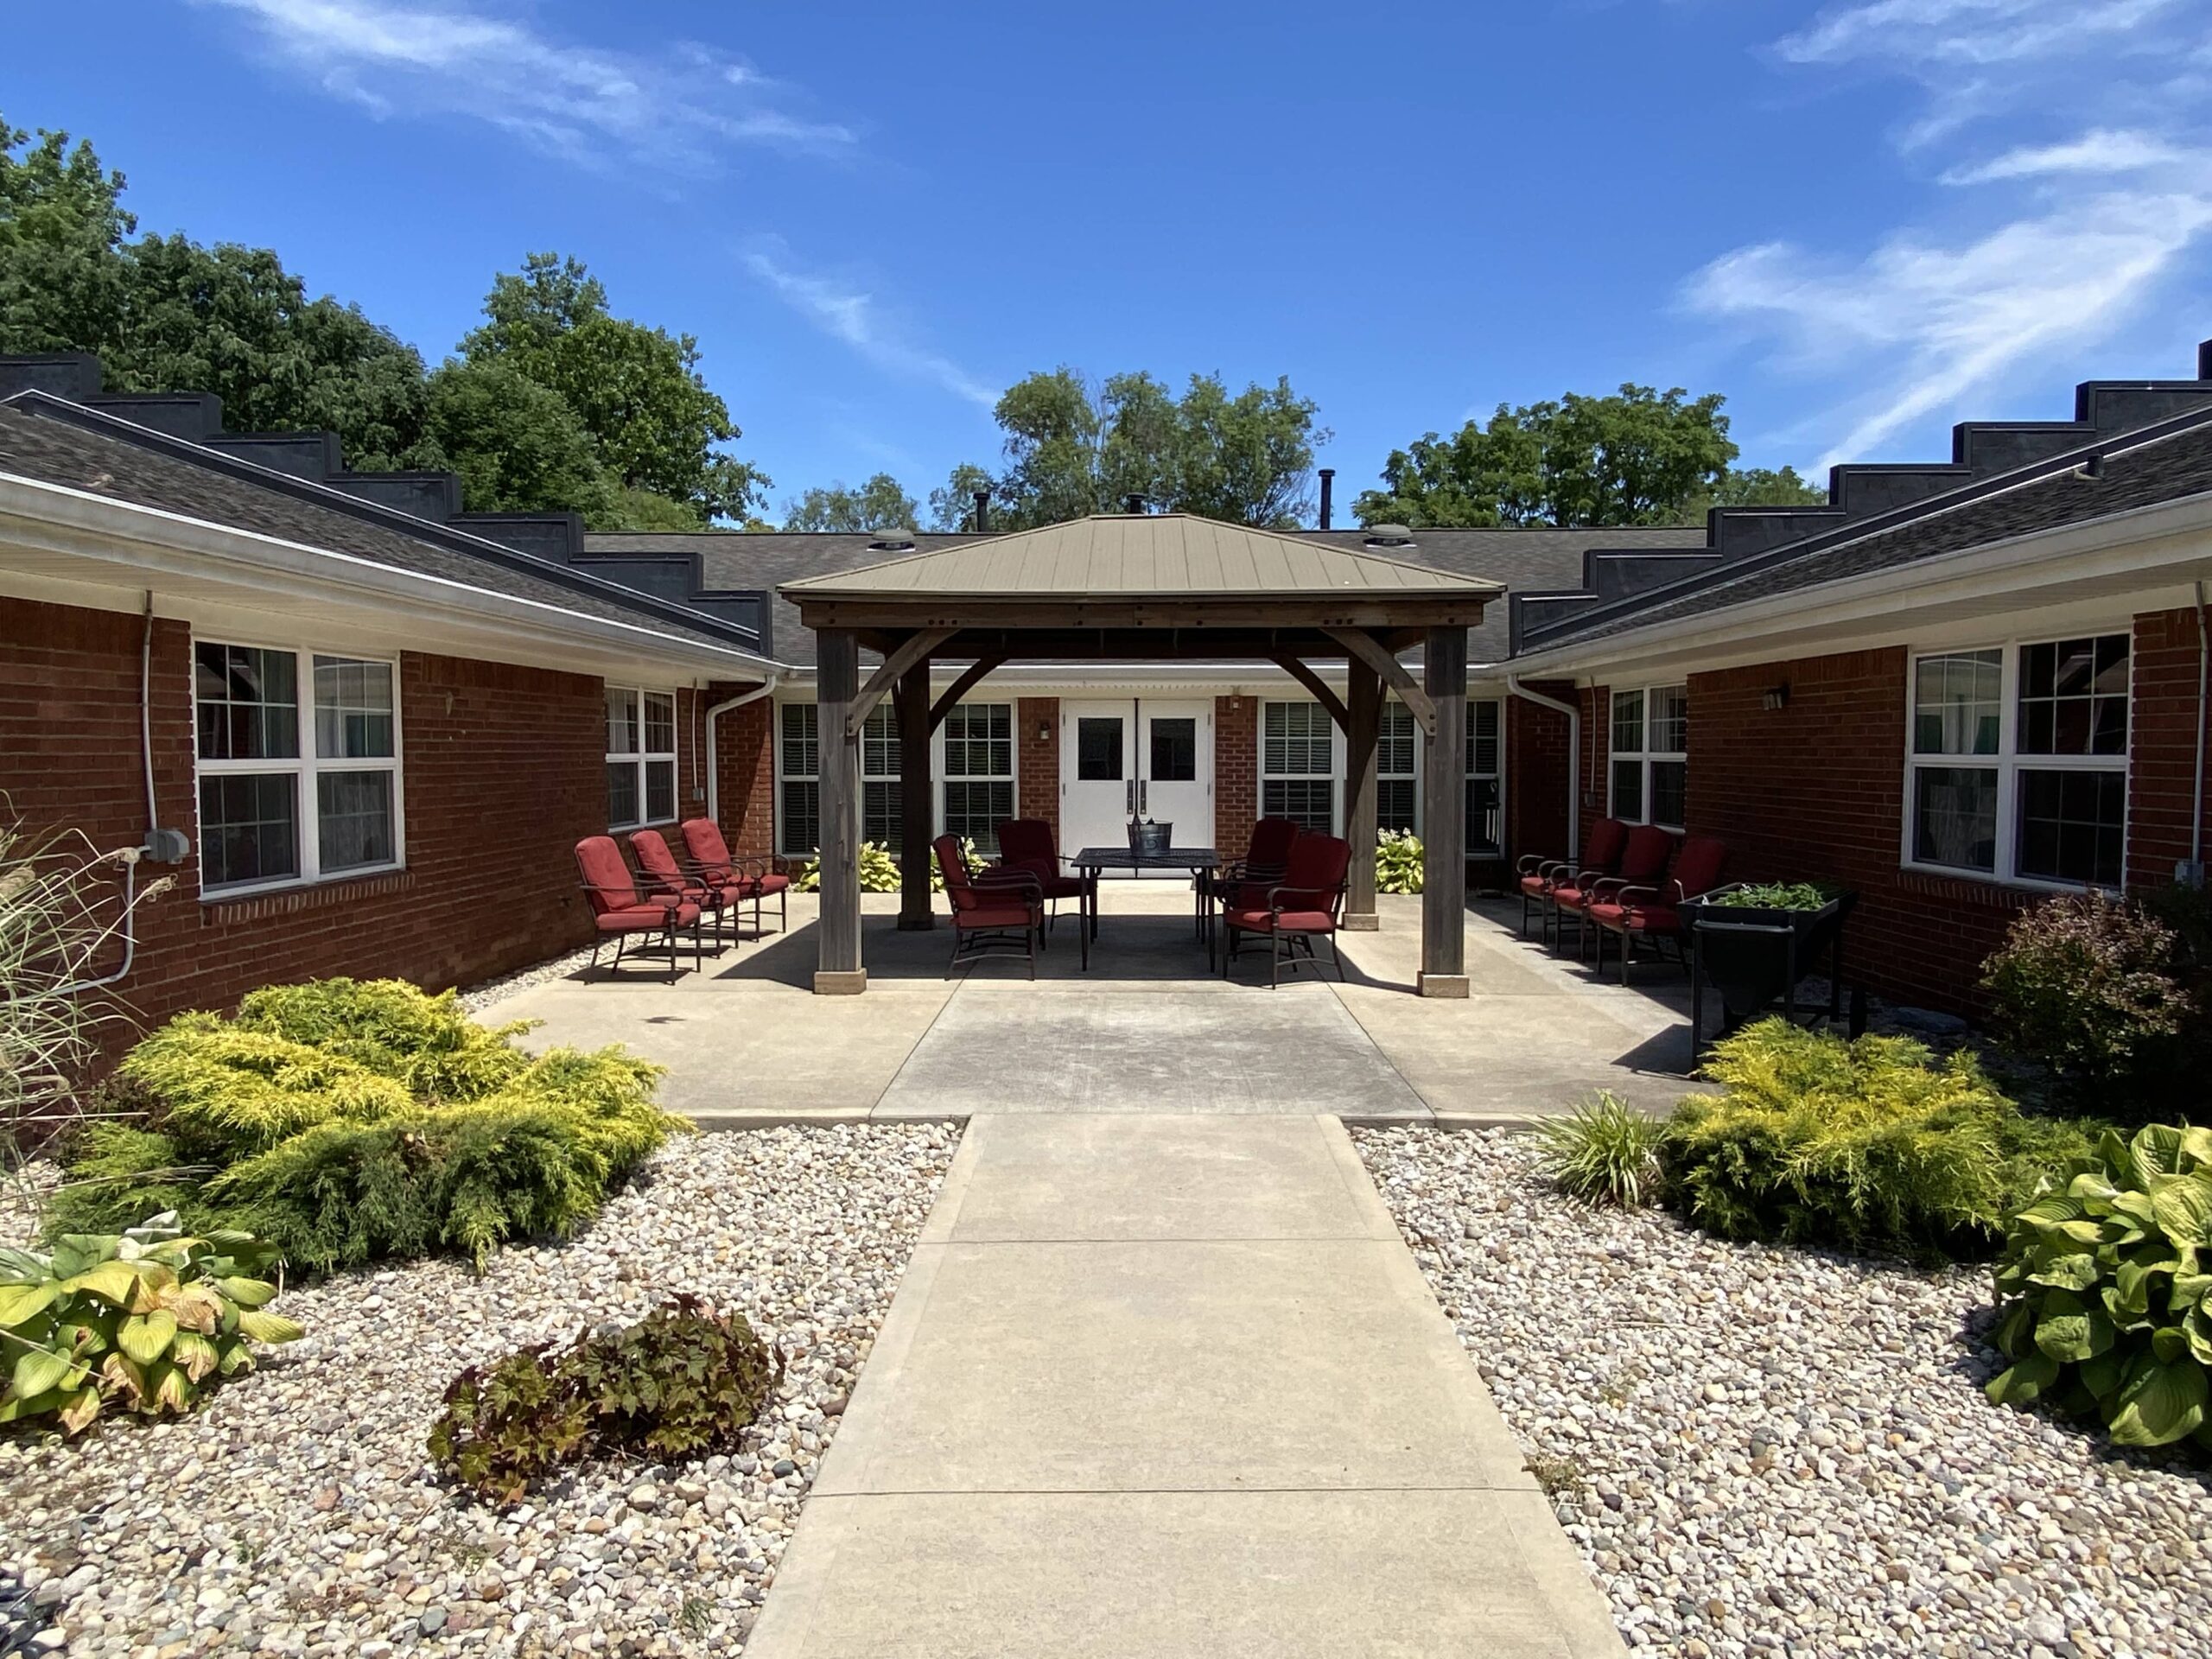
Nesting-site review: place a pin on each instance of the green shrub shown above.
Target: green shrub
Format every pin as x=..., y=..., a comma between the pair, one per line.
x=1604, y=1152
x=1782, y=895
x=2085, y=985
x=680, y=1383
x=349, y=1123
x=2105, y=1304
x=880, y=871
x=1397, y=862
x=1867, y=1145
x=140, y=1322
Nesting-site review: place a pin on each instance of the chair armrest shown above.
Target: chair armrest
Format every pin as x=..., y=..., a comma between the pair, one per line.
x=1532, y=864
x=999, y=875
x=1622, y=893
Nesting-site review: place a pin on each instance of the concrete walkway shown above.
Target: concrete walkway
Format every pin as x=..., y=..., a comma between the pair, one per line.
x=1158, y=1385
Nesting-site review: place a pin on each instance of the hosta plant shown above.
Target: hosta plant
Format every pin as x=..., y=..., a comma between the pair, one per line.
x=679, y=1383
x=879, y=870
x=2104, y=1295
x=142, y=1322
x=1397, y=862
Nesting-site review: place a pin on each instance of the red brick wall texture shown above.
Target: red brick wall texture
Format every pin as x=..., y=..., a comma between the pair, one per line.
x=1235, y=773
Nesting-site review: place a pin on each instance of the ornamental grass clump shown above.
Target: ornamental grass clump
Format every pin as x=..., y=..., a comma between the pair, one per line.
x=348, y=1121
x=1604, y=1152
x=2104, y=1300
x=1870, y=1144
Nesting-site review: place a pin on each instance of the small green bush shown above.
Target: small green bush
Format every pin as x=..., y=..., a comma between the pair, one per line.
x=143, y=1322
x=1782, y=895
x=680, y=1383
x=2105, y=1306
x=1397, y=862
x=1604, y=1152
x=1867, y=1146
x=878, y=871
x=2086, y=985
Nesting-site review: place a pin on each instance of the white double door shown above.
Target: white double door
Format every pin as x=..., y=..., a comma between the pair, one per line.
x=1127, y=758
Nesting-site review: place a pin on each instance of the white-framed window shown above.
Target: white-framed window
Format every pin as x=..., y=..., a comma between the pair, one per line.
x=1298, y=765
x=882, y=819
x=978, y=769
x=640, y=757
x=1649, y=772
x=297, y=763
x=798, y=788
x=2017, y=761
x=1397, y=767
x=1485, y=777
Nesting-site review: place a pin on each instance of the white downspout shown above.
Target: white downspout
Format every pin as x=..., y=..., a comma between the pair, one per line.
x=1574, y=758
x=2203, y=715
x=713, y=768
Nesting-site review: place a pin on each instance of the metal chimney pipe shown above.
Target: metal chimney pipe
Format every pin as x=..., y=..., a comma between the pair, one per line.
x=1328, y=487
x=982, y=512
x=1133, y=503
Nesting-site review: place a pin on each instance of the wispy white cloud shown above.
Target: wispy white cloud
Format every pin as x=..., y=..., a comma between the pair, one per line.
x=2049, y=246
x=685, y=104
x=852, y=315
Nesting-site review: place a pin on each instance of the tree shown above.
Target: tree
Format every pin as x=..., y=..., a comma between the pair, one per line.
x=1634, y=458
x=517, y=445
x=636, y=391
x=952, y=506
x=879, y=503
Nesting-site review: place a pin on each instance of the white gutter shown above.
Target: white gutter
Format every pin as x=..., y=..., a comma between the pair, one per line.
x=134, y=540
x=1573, y=759
x=713, y=715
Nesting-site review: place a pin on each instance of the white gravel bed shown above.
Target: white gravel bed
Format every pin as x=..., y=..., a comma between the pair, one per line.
x=297, y=1512
x=475, y=999
x=1765, y=1451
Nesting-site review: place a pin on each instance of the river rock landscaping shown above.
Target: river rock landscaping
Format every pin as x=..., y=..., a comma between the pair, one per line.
x=1762, y=1450
x=297, y=1512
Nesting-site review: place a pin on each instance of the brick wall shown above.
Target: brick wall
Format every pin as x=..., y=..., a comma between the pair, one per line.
x=1535, y=762
x=745, y=772
x=1235, y=773
x=503, y=773
x=1037, y=760
x=2163, y=729
x=1597, y=704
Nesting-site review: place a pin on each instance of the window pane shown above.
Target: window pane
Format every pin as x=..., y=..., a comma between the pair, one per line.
x=1397, y=741
x=1956, y=703
x=1098, y=749
x=2073, y=697
x=880, y=816
x=1393, y=803
x=2072, y=826
x=1309, y=802
x=802, y=825
x=249, y=702
x=801, y=753
x=1484, y=722
x=1670, y=792
x=1296, y=741
x=660, y=791
x=621, y=793
x=979, y=741
x=1670, y=720
x=353, y=820
x=622, y=733
x=1954, y=817
x=660, y=722
x=880, y=743
x=248, y=828
x=1174, y=751
x=353, y=710
x=1628, y=791
x=1628, y=722
x=1486, y=828
x=976, y=809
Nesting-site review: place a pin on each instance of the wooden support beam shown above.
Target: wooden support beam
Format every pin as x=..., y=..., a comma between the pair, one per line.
x=970, y=677
x=1444, y=817
x=1363, y=733
x=1366, y=648
x=1314, y=684
x=917, y=797
x=916, y=647
x=837, y=673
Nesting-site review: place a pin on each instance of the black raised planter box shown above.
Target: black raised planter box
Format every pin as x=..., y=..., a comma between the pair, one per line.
x=1754, y=956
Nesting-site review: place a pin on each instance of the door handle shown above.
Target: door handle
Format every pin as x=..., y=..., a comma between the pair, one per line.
x=1144, y=794
x=1130, y=798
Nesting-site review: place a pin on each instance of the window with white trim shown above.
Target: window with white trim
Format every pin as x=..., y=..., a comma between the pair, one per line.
x=1298, y=765
x=1485, y=777
x=798, y=761
x=640, y=757
x=2018, y=768
x=1397, y=764
x=882, y=819
x=285, y=800
x=1649, y=772
x=978, y=772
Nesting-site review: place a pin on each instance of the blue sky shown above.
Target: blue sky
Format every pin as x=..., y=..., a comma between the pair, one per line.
x=1862, y=220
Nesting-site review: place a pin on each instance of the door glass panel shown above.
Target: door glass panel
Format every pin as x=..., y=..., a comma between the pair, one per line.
x=1098, y=749
x=1174, y=751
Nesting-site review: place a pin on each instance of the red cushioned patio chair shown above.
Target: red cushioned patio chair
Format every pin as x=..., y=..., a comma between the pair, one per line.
x=1540, y=875
x=1000, y=918
x=1307, y=904
x=1649, y=912
x=1643, y=860
x=661, y=877
x=1031, y=846
x=618, y=910
x=753, y=874
x=1243, y=882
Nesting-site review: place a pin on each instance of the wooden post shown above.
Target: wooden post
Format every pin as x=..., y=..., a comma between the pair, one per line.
x=1444, y=816
x=837, y=681
x=1362, y=726
x=916, y=795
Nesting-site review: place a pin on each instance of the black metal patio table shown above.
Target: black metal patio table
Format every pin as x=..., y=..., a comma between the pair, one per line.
x=1198, y=863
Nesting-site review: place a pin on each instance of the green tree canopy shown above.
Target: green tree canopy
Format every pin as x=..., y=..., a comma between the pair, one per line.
x=952, y=506
x=879, y=503
x=517, y=445
x=1637, y=457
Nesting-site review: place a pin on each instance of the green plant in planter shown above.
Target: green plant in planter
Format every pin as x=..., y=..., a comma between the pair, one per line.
x=1397, y=862
x=1604, y=1152
x=1782, y=895
x=2104, y=1296
x=142, y=1322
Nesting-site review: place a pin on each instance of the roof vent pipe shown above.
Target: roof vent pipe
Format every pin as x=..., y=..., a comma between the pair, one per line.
x=982, y=512
x=1389, y=536
x=1133, y=504
x=1328, y=488
x=900, y=540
